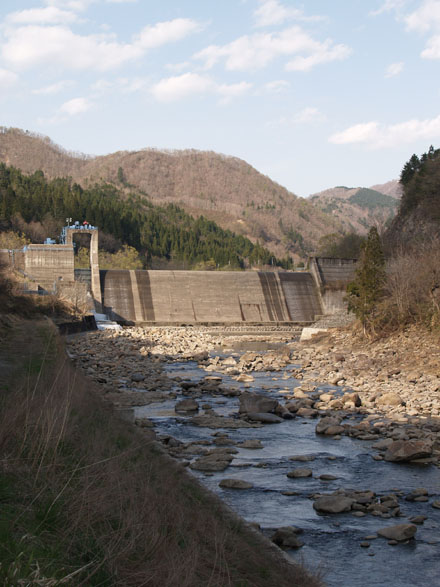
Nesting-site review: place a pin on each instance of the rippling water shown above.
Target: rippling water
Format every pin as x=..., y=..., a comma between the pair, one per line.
x=331, y=542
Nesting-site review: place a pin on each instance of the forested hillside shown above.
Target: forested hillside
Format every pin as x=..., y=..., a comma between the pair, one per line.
x=38, y=208
x=224, y=189
x=418, y=218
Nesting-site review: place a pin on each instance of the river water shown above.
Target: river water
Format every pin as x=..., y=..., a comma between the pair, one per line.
x=331, y=542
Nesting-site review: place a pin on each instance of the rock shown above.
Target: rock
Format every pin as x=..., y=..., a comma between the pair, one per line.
x=230, y=361
x=187, y=405
x=333, y=504
x=211, y=463
x=325, y=423
x=365, y=544
x=137, y=377
x=417, y=519
x=253, y=443
x=264, y=418
x=307, y=413
x=400, y=532
x=302, y=458
x=383, y=444
x=235, y=484
x=327, y=477
x=436, y=504
x=389, y=399
x=245, y=378
x=408, y=450
x=286, y=537
x=299, y=473
x=256, y=403
x=352, y=398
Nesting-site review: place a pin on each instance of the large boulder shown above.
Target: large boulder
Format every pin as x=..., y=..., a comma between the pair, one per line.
x=389, y=399
x=286, y=537
x=400, y=532
x=256, y=403
x=333, y=504
x=408, y=450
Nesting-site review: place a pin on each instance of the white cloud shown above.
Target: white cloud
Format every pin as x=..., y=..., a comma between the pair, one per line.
x=167, y=32
x=389, y=6
x=272, y=12
x=122, y=84
x=53, y=88
x=394, y=69
x=48, y=15
x=32, y=45
x=179, y=87
x=432, y=50
x=257, y=51
x=75, y=106
x=8, y=79
x=308, y=115
x=324, y=53
x=426, y=18
x=175, y=88
x=377, y=136
x=277, y=86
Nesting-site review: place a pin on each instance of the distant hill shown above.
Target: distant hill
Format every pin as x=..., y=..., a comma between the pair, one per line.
x=357, y=209
x=224, y=189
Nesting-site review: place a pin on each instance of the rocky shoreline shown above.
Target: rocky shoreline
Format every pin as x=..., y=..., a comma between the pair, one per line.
x=386, y=392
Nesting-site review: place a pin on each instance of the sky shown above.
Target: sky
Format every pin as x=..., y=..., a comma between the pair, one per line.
x=314, y=94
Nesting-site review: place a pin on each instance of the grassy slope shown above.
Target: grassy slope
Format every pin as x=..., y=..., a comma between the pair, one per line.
x=88, y=499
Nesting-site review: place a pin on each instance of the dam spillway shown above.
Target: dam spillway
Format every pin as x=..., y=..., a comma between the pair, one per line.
x=137, y=296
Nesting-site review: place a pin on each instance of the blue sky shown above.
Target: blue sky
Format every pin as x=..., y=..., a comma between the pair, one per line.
x=313, y=94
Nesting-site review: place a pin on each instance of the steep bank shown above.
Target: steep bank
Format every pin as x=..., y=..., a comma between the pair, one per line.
x=91, y=500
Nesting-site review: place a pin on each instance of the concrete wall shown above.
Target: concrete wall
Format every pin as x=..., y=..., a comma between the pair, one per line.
x=206, y=296
x=49, y=264
x=332, y=277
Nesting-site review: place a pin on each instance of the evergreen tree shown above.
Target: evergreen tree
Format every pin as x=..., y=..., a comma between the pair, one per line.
x=367, y=288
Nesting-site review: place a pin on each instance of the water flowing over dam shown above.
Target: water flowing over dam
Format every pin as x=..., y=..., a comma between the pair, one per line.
x=208, y=296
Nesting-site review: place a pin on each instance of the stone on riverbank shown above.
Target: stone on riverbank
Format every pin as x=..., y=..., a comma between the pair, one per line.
x=333, y=504
x=400, y=532
x=256, y=403
x=408, y=450
x=187, y=405
x=299, y=473
x=287, y=537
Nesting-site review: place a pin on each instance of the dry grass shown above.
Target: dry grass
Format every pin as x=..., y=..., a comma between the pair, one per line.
x=89, y=499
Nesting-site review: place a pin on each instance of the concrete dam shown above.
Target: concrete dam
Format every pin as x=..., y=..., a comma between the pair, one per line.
x=209, y=296
x=183, y=297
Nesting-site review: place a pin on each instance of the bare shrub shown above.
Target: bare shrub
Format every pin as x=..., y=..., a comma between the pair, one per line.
x=412, y=290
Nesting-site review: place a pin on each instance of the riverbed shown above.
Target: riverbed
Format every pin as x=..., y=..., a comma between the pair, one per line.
x=344, y=546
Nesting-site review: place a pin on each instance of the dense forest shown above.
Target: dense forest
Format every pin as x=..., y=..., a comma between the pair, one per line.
x=38, y=208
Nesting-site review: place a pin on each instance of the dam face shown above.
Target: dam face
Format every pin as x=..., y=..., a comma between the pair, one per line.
x=208, y=296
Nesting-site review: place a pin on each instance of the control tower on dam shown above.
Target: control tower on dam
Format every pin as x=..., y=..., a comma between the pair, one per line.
x=209, y=296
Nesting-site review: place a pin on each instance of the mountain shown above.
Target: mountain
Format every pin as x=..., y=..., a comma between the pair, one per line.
x=221, y=188
x=357, y=209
